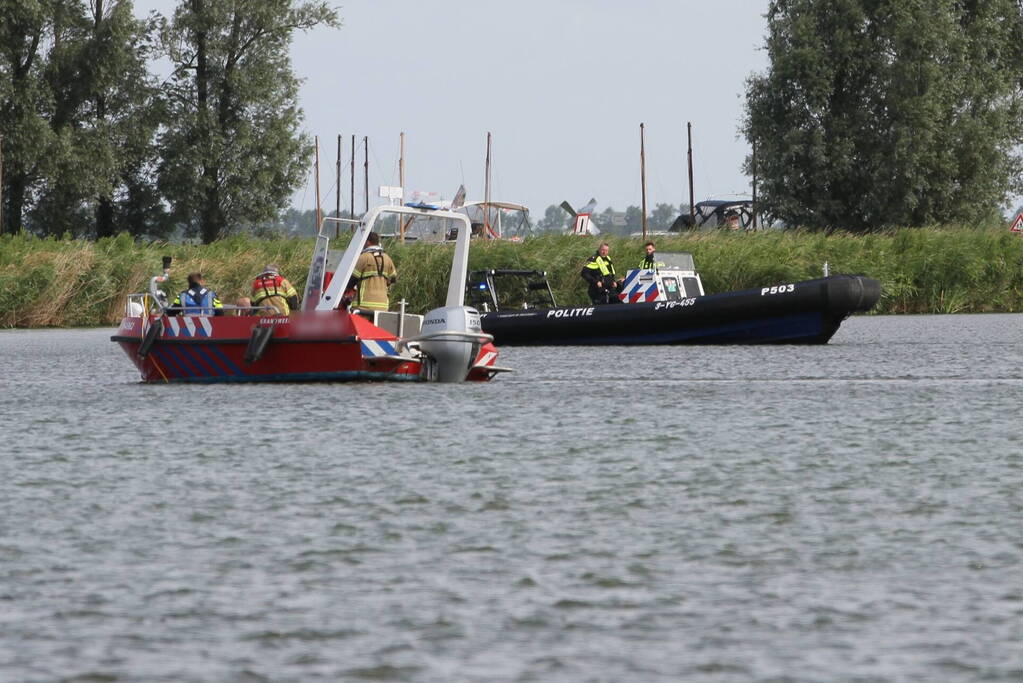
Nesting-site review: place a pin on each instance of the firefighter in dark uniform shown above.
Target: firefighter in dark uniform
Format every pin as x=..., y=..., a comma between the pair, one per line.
x=599, y=273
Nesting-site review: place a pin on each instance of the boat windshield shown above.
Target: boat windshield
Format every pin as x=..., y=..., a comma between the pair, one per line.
x=499, y=290
x=681, y=260
x=417, y=228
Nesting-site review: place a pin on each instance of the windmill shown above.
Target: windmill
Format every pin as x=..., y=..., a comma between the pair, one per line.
x=582, y=225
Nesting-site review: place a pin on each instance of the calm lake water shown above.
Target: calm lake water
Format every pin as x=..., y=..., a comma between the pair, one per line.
x=851, y=511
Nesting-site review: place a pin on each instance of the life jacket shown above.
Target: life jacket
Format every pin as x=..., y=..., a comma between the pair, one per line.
x=266, y=285
x=649, y=263
x=197, y=301
x=602, y=264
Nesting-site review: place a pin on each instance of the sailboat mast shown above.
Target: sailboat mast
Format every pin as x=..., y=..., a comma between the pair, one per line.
x=689, y=156
x=401, y=165
x=352, y=209
x=337, y=172
x=486, y=191
x=642, y=172
x=402, y=224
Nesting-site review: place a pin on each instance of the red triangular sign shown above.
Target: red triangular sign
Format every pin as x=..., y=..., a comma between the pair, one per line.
x=1017, y=224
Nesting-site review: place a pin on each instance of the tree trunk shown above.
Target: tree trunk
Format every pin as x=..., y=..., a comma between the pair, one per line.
x=212, y=224
x=104, y=206
x=211, y=220
x=14, y=195
x=104, y=217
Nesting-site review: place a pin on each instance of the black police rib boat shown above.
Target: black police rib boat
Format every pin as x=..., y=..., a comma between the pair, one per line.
x=668, y=306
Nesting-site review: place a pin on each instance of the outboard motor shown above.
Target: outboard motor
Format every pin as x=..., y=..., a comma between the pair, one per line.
x=452, y=337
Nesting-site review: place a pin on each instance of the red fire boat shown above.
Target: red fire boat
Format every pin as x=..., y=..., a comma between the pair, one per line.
x=325, y=341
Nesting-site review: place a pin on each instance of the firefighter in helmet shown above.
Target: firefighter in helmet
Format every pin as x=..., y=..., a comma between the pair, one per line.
x=271, y=289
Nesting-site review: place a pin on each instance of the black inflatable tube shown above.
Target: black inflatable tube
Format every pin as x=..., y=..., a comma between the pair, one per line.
x=807, y=312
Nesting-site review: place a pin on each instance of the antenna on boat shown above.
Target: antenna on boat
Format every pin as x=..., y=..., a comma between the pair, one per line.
x=689, y=156
x=642, y=173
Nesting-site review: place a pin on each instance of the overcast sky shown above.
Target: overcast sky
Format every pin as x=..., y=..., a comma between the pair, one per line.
x=561, y=84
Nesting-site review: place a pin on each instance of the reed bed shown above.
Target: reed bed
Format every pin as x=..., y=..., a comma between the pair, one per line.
x=943, y=269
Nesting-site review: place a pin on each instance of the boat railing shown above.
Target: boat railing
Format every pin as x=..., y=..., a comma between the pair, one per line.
x=252, y=310
x=138, y=303
x=339, y=222
x=398, y=323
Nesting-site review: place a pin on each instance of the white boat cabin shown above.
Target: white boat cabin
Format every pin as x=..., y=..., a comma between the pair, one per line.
x=674, y=278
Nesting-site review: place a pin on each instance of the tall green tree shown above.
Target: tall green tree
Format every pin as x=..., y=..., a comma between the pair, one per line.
x=105, y=117
x=633, y=220
x=77, y=105
x=233, y=152
x=124, y=111
x=888, y=112
x=554, y=219
x=662, y=217
x=26, y=30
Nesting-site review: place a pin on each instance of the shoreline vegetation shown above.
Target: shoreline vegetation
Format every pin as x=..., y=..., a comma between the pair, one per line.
x=48, y=282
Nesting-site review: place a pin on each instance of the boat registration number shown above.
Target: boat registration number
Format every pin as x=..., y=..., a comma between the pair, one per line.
x=777, y=289
x=667, y=305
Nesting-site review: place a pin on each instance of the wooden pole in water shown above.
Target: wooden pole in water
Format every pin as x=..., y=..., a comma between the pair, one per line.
x=753, y=164
x=689, y=156
x=486, y=191
x=642, y=172
x=319, y=213
x=365, y=168
x=352, y=205
x=337, y=172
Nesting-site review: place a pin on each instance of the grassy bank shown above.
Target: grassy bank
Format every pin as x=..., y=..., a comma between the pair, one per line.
x=67, y=283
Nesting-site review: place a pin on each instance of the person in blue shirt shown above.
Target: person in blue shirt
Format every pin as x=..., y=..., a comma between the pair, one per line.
x=197, y=299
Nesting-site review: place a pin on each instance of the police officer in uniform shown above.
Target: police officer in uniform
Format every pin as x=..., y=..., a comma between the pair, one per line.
x=649, y=261
x=599, y=273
